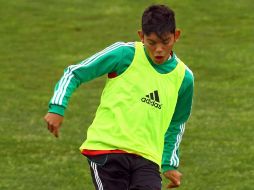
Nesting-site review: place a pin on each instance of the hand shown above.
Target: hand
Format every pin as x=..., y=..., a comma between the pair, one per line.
x=175, y=177
x=54, y=122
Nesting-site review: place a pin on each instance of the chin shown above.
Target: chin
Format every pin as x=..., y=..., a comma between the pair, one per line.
x=159, y=62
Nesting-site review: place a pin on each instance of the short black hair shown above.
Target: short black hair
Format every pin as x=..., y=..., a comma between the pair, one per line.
x=159, y=19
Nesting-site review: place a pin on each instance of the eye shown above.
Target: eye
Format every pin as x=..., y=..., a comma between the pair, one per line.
x=166, y=42
x=151, y=43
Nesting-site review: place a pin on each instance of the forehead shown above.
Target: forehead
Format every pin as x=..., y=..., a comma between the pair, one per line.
x=153, y=36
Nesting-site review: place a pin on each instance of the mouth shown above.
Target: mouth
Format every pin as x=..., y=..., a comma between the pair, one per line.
x=159, y=58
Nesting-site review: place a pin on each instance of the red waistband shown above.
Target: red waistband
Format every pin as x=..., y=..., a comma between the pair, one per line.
x=99, y=152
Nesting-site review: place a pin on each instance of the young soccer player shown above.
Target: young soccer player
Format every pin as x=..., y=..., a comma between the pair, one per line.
x=145, y=104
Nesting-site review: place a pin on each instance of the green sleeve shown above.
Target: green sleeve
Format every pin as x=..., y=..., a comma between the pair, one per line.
x=184, y=101
x=111, y=59
x=173, y=136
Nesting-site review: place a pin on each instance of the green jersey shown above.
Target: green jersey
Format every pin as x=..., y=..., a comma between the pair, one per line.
x=114, y=60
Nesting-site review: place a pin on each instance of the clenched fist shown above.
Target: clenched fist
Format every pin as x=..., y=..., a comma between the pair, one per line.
x=54, y=122
x=175, y=177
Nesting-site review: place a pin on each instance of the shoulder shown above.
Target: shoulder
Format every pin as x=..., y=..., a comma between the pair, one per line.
x=188, y=80
x=124, y=50
x=188, y=76
x=120, y=56
x=121, y=46
x=116, y=51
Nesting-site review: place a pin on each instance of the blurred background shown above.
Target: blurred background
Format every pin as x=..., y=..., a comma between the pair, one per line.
x=40, y=38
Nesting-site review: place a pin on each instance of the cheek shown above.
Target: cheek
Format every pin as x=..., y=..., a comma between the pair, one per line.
x=151, y=52
x=168, y=48
x=151, y=49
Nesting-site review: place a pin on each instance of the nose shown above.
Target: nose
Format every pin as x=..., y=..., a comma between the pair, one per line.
x=159, y=49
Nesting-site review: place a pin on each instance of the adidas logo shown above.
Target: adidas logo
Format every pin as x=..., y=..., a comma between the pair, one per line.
x=152, y=99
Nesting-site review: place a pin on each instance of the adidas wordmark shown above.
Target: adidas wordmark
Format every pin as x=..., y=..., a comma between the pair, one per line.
x=152, y=99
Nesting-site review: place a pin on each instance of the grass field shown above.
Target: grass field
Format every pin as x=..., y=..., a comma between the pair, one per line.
x=40, y=38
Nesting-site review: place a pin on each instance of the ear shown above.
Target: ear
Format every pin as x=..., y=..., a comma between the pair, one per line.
x=177, y=34
x=141, y=36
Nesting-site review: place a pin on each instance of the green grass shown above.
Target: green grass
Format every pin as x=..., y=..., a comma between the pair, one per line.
x=40, y=38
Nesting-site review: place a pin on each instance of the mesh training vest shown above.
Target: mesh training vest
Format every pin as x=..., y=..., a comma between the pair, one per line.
x=136, y=109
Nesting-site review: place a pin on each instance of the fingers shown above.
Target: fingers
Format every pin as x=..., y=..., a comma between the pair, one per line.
x=55, y=132
x=53, y=129
x=54, y=122
x=175, y=177
x=173, y=185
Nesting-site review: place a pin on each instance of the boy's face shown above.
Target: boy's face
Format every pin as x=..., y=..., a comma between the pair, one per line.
x=159, y=49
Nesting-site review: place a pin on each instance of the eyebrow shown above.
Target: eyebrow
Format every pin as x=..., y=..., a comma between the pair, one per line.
x=150, y=40
x=166, y=39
